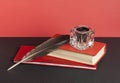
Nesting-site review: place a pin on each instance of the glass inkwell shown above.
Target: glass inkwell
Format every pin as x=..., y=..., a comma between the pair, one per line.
x=82, y=37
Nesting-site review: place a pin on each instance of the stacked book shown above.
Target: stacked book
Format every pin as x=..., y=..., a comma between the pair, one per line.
x=67, y=56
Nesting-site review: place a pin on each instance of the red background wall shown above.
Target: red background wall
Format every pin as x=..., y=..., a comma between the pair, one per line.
x=47, y=17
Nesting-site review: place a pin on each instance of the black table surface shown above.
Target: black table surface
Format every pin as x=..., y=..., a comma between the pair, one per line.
x=108, y=68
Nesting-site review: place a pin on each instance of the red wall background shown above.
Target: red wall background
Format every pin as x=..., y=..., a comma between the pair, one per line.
x=33, y=18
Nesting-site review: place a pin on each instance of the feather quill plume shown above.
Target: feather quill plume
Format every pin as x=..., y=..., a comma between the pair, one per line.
x=44, y=48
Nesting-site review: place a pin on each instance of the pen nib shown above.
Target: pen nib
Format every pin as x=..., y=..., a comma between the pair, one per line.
x=23, y=60
x=13, y=66
x=18, y=63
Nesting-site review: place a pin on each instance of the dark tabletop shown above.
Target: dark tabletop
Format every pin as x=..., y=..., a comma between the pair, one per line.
x=108, y=68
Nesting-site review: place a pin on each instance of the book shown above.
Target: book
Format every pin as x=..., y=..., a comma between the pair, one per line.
x=90, y=56
x=50, y=60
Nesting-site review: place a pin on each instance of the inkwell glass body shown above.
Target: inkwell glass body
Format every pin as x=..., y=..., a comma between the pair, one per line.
x=82, y=37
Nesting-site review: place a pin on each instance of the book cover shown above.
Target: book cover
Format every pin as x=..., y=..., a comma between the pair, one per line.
x=50, y=61
x=90, y=56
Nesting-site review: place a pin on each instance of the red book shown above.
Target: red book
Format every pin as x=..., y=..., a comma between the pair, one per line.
x=90, y=56
x=50, y=60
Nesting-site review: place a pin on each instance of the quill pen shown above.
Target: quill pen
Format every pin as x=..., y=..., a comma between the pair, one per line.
x=44, y=48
